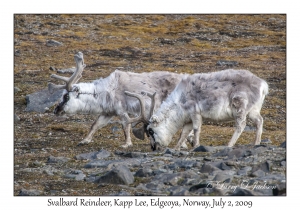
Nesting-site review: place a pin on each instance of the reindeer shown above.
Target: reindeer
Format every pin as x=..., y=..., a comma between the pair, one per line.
x=105, y=97
x=219, y=96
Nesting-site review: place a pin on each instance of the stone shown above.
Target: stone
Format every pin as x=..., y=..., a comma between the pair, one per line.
x=236, y=153
x=280, y=189
x=223, y=178
x=16, y=118
x=52, y=159
x=205, y=149
x=266, y=141
x=244, y=171
x=53, y=43
x=208, y=168
x=201, y=185
x=25, y=192
x=244, y=192
x=66, y=71
x=223, y=153
x=121, y=193
x=40, y=101
x=283, y=145
x=16, y=90
x=75, y=174
x=258, y=173
x=119, y=175
x=265, y=166
x=154, y=185
x=110, y=163
x=144, y=172
x=93, y=155
x=178, y=191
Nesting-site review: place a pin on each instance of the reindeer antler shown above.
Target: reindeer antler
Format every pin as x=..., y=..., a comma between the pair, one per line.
x=73, y=79
x=142, y=117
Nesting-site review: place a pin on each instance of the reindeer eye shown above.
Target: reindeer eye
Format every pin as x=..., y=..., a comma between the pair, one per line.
x=66, y=97
x=151, y=132
x=76, y=89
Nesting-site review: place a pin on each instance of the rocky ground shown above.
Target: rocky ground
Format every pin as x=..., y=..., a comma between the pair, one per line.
x=46, y=158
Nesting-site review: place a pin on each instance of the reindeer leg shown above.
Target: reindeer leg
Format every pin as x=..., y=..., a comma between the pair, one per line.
x=126, y=128
x=185, y=132
x=102, y=121
x=197, y=123
x=240, y=125
x=258, y=120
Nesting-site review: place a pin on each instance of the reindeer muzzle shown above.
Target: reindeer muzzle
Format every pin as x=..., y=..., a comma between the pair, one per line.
x=60, y=107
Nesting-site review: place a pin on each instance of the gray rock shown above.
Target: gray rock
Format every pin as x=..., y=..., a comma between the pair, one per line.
x=154, y=186
x=265, y=166
x=258, y=173
x=224, y=178
x=244, y=171
x=245, y=192
x=144, y=172
x=40, y=101
x=280, y=189
x=66, y=71
x=283, y=145
x=266, y=141
x=185, y=164
x=201, y=185
x=208, y=168
x=25, y=192
x=223, y=153
x=160, y=171
x=52, y=159
x=135, y=155
x=272, y=177
x=283, y=163
x=258, y=149
x=121, y=193
x=16, y=89
x=52, y=43
x=93, y=155
x=119, y=175
x=179, y=191
x=168, y=179
x=205, y=149
x=16, y=118
x=110, y=163
x=236, y=153
x=75, y=174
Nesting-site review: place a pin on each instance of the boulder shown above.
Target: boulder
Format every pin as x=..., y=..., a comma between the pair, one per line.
x=119, y=175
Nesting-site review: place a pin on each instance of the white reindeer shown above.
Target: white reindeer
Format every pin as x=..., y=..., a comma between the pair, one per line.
x=219, y=96
x=105, y=97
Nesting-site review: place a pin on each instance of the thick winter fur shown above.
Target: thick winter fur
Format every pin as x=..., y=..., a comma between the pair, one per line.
x=105, y=97
x=220, y=96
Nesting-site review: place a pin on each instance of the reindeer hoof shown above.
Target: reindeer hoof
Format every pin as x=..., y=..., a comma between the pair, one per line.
x=83, y=143
x=183, y=146
x=126, y=146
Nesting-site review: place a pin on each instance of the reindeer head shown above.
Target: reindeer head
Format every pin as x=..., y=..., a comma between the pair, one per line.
x=148, y=121
x=143, y=116
x=70, y=90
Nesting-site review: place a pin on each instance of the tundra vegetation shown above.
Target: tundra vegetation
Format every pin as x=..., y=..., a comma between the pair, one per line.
x=133, y=43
